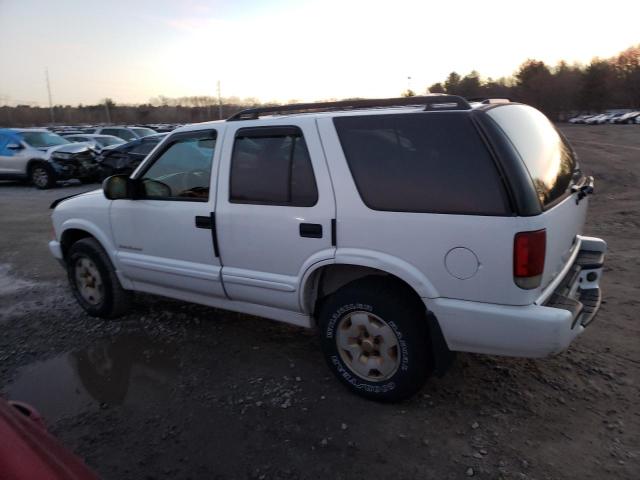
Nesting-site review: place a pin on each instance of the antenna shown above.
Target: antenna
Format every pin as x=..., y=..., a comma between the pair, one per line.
x=53, y=116
x=219, y=102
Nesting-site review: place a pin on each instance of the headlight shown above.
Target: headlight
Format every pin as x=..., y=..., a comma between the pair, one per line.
x=61, y=155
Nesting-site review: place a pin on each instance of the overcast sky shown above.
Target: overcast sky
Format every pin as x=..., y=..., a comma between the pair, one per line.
x=282, y=50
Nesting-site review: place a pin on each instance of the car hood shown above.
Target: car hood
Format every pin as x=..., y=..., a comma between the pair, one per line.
x=90, y=193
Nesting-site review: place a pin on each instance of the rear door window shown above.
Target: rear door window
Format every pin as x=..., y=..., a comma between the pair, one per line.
x=271, y=166
x=422, y=162
x=546, y=154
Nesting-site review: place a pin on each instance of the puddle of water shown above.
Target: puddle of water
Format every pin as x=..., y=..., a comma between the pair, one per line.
x=123, y=371
x=9, y=283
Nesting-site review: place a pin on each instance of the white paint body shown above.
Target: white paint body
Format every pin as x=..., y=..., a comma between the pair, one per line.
x=264, y=264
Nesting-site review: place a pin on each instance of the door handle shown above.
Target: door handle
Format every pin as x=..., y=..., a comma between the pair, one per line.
x=203, y=222
x=311, y=230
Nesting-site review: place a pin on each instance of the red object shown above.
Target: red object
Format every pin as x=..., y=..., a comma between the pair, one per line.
x=29, y=452
x=529, y=249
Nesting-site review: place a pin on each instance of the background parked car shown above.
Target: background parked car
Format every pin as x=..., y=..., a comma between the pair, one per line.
x=43, y=157
x=126, y=158
x=126, y=133
x=98, y=141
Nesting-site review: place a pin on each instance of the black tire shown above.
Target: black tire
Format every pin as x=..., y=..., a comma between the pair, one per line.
x=113, y=301
x=403, y=313
x=42, y=176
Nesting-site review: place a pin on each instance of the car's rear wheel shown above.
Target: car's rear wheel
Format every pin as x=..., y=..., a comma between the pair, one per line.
x=375, y=339
x=42, y=176
x=94, y=281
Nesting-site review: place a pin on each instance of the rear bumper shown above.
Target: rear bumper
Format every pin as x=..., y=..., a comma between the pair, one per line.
x=538, y=330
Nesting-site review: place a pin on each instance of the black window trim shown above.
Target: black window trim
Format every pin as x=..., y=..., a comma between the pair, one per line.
x=567, y=193
x=505, y=192
x=269, y=132
x=166, y=144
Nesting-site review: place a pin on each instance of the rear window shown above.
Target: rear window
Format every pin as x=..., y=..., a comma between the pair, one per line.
x=422, y=162
x=546, y=154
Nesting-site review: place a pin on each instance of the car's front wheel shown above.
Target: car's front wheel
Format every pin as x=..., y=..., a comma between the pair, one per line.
x=94, y=281
x=375, y=339
x=42, y=176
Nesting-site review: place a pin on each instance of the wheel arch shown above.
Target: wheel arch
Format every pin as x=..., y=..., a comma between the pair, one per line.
x=324, y=278
x=34, y=161
x=351, y=264
x=73, y=230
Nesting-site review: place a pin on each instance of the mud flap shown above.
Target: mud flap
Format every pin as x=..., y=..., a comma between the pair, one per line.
x=442, y=357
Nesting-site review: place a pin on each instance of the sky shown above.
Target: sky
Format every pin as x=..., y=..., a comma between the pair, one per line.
x=284, y=50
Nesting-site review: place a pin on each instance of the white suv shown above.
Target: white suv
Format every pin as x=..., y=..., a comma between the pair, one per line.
x=404, y=229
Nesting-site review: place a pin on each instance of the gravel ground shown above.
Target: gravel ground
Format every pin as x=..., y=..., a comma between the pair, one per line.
x=182, y=391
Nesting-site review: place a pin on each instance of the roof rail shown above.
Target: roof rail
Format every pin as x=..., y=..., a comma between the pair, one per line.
x=429, y=102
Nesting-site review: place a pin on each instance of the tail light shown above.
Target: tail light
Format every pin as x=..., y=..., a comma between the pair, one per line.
x=529, y=250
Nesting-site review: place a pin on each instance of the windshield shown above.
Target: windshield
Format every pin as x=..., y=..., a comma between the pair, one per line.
x=108, y=140
x=143, y=132
x=43, y=139
x=548, y=157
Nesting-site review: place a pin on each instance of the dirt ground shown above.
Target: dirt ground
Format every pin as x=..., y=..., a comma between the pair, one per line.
x=180, y=391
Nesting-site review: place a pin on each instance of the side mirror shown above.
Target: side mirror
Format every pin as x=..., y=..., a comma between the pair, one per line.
x=118, y=187
x=14, y=146
x=155, y=189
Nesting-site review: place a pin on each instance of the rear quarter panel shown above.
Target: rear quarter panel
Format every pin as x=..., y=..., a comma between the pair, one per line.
x=422, y=241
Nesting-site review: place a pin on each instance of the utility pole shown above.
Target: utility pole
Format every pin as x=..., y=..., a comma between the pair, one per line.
x=219, y=102
x=106, y=109
x=53, y=116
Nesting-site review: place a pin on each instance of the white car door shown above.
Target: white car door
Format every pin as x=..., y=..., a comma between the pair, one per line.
x=275, y=210
x=164, y=237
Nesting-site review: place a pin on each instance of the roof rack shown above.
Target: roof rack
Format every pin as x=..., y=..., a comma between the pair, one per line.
x=489, y=101
x=429, y=102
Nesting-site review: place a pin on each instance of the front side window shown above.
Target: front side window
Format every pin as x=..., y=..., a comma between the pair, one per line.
x=421, y=162
x=182, y=171
x=271, y=166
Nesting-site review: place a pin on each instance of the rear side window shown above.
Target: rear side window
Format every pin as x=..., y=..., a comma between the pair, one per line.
x=271, y=166
x=422, y=162
x=143, y=148
x=546, y=154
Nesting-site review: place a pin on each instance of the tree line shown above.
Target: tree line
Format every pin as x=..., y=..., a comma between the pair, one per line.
x=560, y=91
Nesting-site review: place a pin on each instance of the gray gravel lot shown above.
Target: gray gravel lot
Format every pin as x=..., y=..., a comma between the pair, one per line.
x=183, y=391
